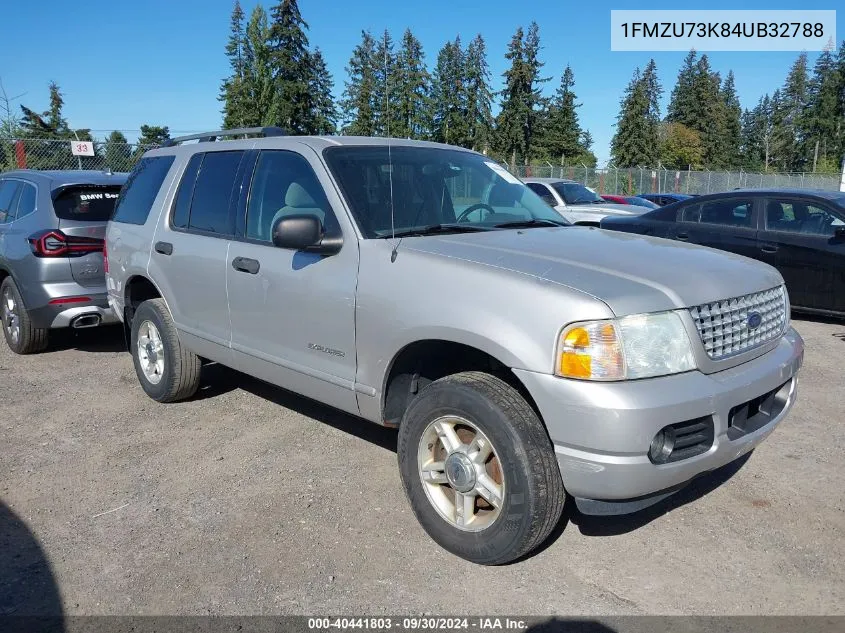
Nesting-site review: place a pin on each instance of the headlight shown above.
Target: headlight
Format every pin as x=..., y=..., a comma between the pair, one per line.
x=641, y=346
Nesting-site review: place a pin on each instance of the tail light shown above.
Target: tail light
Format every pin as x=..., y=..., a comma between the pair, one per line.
x=105, y=259
x=54, y=243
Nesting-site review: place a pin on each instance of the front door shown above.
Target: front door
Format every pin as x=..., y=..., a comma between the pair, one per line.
x=728, y=224
x=293, y=312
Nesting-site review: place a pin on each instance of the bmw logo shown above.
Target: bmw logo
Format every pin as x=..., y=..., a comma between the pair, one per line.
x=755, y=319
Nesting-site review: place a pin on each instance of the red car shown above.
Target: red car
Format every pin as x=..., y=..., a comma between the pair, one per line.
x=635, y=200
x=616, y=199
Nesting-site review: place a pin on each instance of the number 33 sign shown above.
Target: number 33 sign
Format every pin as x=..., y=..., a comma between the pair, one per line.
x=82, y=148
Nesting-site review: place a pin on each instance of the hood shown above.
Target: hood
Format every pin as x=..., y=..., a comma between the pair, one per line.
x=632, y=274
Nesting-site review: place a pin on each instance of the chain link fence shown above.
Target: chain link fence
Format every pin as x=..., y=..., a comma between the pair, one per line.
x=610, y=180
x=57, y=154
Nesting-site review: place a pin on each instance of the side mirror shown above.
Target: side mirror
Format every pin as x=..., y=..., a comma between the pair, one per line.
x=839, y=233
x=303, y=233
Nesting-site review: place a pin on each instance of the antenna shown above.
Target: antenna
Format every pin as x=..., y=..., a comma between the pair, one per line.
x=394, y=252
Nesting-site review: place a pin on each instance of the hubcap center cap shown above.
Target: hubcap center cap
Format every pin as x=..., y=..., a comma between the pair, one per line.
x=151, y=353
x=460, y=472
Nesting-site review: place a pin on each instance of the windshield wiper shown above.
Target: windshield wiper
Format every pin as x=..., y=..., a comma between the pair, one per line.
x=435, y=229
x=518, y=224
x=582, y=201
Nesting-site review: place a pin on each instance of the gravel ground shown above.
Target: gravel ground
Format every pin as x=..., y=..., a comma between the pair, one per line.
x=251, y=500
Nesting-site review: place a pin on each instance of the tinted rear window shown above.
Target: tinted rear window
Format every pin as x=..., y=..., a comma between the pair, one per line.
x=213, y=191
x=86, y=203
x=139, y=192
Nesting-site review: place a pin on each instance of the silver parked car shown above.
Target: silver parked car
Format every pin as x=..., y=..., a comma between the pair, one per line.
x=52, y=225
x=577, y=203
x=422, y=286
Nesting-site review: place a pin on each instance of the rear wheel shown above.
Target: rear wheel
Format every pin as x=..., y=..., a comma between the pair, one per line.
x=21, y=336
x=478, y=468
x=166, y=369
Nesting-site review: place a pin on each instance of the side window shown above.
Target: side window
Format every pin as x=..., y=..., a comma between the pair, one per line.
x=140, y=191
x=284, y=184
x=182, y=205
x=213, y=192
x=26, y=201
x=8, y=189
x=730, y=212
x=691, y=213
x=544, y=193
x=797, y=216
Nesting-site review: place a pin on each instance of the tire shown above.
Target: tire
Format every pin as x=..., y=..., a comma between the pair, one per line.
x=531, y=490
x=21, y=336
x=177, y=376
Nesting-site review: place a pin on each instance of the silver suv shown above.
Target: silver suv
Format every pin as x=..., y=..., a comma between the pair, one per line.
x=424, y=287
x=578, y=204
x=52, y=225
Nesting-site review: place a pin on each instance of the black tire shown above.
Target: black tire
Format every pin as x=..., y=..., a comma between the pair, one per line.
x=180, y=377
x=30, y=339
x=534, y=493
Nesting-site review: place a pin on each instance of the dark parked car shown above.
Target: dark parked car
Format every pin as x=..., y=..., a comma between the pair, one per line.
x=799, y=232
x=663, y=199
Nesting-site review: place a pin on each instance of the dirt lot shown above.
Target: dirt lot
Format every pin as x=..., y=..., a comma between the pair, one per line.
x=252, y=500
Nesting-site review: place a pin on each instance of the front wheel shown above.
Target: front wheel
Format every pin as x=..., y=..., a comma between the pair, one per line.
x=478, y=469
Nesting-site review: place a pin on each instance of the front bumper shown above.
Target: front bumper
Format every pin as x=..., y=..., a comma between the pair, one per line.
x=602, y=431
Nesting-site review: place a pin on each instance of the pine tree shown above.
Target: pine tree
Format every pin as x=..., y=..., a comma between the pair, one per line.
x=50, y=124
x=820, y=119
x=413, y=90
x=153, y=136
x=448, y=95
x=386, y=92
x=325, y=114
x=259, y=84
x=293, y=106
x=683, y=107
x=358, y=97
x=232, y=90
x=118, y=153
x=732, y=122
x=790, y=133
x=636, y=142
x=479, y=95
x=561, y=132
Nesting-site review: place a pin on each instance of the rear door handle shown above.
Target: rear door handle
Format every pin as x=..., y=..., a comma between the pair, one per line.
x=769, y=248
x=246, y=265
x=165, y=248
x=682, y=236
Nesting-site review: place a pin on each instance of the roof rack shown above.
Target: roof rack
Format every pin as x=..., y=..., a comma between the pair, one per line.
x=204, y=137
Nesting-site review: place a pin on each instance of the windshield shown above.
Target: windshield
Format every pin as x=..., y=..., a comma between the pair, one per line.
x=575, y=193
x=87, y=203
x=431, y=187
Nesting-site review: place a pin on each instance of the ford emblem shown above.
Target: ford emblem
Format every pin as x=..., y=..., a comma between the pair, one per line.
x=755, y=319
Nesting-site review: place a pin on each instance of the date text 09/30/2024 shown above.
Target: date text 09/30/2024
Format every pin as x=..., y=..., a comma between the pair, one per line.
x=422, y=623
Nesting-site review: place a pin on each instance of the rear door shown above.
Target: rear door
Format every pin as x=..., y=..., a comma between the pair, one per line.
x=8, y=197
x=729, y=224
x=82, y=212
x=190, y=250
x=799, y=239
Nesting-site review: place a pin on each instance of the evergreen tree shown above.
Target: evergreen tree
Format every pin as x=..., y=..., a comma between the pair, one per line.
x=521, y=98
x=259, y=83
x=118, y=153
x=683, y=107
x=733, y=124
x=153, y=136
x=448, y=94
x=325, y=114
x=822, y=126
x=293, y=106
x=479, y=95
x=386, y=90
x=50, y=124
x=358, y=97
x=636, y=142
x=561, y=133
x=790, y=133
x=413, y=88
x=232, y=92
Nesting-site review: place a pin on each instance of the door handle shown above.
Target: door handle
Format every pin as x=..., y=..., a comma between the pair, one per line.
x=682, y=236
x=769, y=248
x=246, y=265
x=165, y=248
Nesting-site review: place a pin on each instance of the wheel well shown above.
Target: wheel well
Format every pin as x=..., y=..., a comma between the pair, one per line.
x=423, y=362
x=3, y=275
x=138, y=290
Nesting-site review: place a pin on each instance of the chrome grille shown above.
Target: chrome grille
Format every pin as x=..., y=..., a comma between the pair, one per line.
x=726, y=327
